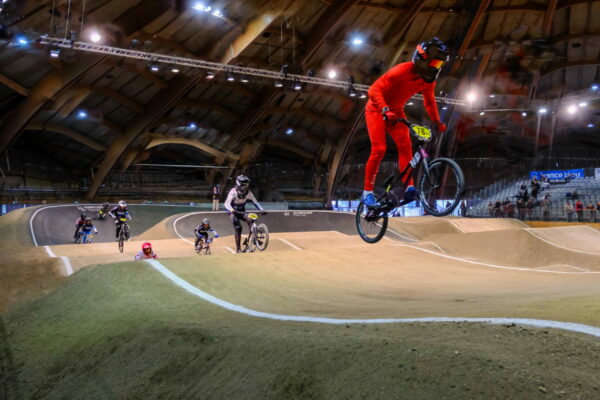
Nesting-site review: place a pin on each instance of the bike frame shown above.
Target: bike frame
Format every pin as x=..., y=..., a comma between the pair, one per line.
x=421, y=156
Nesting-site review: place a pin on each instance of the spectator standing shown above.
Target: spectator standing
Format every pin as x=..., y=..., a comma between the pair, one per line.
x=592, y=210
x=523, y=194
x=215, y=197
x=579, y=210
x=463, y=208
x=575, y=195
x=546, y=207
x=530, y=208
x=521, y=208
x=535, y=187
x=569, y=209
x=498, y=209
x=511, y=209
x=491, y=209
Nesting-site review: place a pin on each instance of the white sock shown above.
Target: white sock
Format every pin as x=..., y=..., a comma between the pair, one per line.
x=366, y=192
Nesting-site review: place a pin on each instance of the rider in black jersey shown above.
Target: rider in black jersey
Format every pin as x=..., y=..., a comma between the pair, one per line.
x=236, y=205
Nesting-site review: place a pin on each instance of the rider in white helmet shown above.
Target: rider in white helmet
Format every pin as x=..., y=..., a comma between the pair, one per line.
x=118, y=213
x=236, y=205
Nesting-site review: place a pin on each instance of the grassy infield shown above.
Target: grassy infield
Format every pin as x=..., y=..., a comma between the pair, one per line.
x=123, y=331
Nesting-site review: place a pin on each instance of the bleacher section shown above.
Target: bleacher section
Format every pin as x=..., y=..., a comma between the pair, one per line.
x=588, y=189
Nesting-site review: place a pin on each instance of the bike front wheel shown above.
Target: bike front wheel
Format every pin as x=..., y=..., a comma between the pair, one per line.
x=261, y=236
x=441, y=188
x=371, y=223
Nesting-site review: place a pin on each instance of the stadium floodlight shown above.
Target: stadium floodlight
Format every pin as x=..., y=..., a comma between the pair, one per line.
x=289, y=131
x=524, y=114
x=583, y=104
x=332, y=74
x=82, y=114
x=95, y=37
x=471, y=97
x=595, y=87
x=175, y=70
x=363, y=96
x=231, y=78
x=192, y=125
x=590, y=125
x=572, y=109
x=357, y=41
x=482, y=113
x=210, y=75
x=543, y=110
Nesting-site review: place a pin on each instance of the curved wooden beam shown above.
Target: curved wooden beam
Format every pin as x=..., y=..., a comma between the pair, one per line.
x=66, y=132
x=323, y=119
x=206, y=104
x=158, y=139
x=288, y=146
x=53, y=84
x=11, y=84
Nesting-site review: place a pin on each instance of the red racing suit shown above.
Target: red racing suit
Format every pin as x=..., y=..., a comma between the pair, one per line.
x=393, y=90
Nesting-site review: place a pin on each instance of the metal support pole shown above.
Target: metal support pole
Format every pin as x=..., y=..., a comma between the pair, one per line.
x=537, y=134
x=552, y=132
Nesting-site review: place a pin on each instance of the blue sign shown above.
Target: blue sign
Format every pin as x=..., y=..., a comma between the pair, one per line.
x=556, y=176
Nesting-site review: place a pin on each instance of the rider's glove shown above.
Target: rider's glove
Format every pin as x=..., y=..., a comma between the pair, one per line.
x=388, y=115
x=263, y=213
x=441, y=127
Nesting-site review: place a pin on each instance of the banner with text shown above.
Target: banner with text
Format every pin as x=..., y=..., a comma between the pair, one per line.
x=559, y=175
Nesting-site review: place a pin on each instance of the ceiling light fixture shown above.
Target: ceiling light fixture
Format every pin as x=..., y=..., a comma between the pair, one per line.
x=95, y=37
x=332, y=74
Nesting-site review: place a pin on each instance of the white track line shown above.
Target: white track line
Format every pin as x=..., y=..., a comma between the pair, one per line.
x=290, y=244
x=65, y=260
x=229, y=249
x=538, y=323
x=532, y=233
x=466, y=260
x=456, y=226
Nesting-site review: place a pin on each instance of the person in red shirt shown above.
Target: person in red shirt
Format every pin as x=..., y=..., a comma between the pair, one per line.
x=387, y=97
x=579, y=210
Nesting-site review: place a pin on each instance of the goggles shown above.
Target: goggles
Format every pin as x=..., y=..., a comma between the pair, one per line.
x=437, y=64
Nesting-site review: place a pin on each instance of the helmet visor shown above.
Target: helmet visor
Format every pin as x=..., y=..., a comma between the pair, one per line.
x=437, y=64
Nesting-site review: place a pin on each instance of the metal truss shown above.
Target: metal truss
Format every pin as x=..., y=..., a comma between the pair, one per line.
x=216, y=67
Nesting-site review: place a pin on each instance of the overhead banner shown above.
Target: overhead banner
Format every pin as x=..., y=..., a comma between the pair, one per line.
x=560, y=175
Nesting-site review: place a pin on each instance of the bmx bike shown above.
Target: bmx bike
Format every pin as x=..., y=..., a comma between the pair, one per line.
x=203, y=246
x=440, y=184
x=258, y=238
x=123, y=233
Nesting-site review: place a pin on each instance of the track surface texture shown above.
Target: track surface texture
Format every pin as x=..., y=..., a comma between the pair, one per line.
x=316, y=266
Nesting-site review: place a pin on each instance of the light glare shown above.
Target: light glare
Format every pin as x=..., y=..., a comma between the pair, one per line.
x=332, y=74
x=95, y=37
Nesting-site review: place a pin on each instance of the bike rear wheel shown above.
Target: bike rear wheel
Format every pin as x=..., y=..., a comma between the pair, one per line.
x=262, y=237
x=440, y=190
x=371, y=223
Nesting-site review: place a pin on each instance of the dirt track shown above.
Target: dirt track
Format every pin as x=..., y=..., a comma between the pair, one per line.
x=424, y=267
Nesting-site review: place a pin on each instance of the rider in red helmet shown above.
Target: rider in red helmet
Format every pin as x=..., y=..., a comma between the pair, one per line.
x=146, y=252
x=387, y=97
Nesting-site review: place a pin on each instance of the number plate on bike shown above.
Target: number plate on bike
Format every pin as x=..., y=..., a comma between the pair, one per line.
x=415, y=160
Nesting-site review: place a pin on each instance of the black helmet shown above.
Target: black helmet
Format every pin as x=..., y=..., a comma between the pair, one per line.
x=429, y=59
x=83, y=216
x=242, y=182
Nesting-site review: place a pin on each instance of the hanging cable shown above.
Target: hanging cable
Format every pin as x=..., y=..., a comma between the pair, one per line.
x=52, y=16
x=82, y=18
x=68, y=19
x=294, y=45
